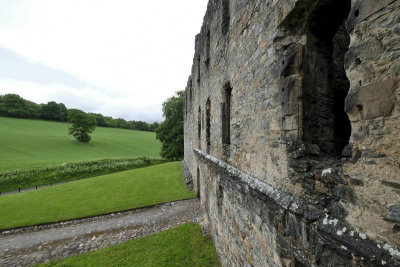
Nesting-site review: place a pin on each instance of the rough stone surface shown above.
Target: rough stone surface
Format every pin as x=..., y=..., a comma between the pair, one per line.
x=307, y=172
x=32, y=245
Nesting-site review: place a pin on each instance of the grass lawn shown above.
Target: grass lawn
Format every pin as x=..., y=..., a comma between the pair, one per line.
x=181, y=246
x=102, y=194
x=28, y=143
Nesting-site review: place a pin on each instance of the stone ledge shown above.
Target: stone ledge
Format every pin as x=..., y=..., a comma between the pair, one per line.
x=283, y=199
x=334, y=233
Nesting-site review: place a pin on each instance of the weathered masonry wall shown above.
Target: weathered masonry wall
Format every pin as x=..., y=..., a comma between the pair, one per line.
x=292, y=131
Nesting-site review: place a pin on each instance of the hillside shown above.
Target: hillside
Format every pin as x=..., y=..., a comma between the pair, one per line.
x=28, y=143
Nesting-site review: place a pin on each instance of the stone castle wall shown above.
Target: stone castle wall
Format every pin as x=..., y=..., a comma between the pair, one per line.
x=286, y=177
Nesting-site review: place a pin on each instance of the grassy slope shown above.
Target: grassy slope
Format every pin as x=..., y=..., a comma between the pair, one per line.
x=181, y=246
x=34, y=143
x=98, y=195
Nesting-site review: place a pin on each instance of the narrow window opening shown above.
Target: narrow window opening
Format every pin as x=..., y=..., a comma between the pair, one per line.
x=226, y=17
x=325, y=122
x=207, y=50
x=198, y=183
x=199, y=124
x=198, y=70
x=226, y=118
x=208, y=125
x=220, y=197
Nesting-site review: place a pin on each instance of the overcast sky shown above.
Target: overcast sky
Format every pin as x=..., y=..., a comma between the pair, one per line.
x=121, y=58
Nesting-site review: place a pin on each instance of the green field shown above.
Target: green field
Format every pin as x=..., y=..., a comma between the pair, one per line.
x=98, y=195
x=35, y=143
x=181, y=246
x=14, y=180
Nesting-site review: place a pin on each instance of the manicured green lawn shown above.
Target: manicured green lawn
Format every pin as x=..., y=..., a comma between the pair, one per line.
x=181, y=246
x=35, y=143
x=97, y=195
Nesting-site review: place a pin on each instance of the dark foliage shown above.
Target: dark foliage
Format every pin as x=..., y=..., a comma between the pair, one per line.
x=170, y=132
x=12, y=105
x=81, y=124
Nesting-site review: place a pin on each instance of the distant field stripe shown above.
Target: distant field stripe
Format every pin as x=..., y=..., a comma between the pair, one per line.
x=98, y=195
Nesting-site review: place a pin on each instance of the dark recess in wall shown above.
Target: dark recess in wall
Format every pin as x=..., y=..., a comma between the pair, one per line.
x=325, y=85
x=208, y=125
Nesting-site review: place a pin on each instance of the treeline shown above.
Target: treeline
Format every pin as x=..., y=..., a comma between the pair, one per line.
x=12, y=105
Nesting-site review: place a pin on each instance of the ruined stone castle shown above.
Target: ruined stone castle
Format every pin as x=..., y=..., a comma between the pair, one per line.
x=292, y=131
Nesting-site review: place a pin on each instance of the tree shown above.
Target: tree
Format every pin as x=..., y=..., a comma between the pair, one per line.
x=154, y=126
x=82, y=124
x=53, y=111
x=170, y=132
x=12, y=105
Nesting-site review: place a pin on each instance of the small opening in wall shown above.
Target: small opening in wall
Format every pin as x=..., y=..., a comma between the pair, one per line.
x=207, y=50
x=226, y=17
x=198, y=70
x=198, y=183
x=220, y=197
x=356, y=13
x=359, y=107
x=226, y=117
x=358, y=61
x=360, y=83
x=208, y=125
x=199, y=124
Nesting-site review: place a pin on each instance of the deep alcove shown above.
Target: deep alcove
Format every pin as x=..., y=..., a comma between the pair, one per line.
x=325, y=84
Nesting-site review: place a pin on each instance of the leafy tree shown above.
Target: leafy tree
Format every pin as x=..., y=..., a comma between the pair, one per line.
x=154, y=126
x=53, y=111
x=82, y=124
x=12, y=105
x=170, y=132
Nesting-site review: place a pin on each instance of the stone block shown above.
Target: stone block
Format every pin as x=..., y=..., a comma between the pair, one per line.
x=394, y=213
x=362, y=9
x=370, y=101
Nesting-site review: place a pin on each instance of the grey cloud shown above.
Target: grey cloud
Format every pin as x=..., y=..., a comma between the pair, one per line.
x=16, y=67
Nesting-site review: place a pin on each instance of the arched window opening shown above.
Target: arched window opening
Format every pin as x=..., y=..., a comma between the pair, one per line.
x=208, y=125
x=226, y=17
x=226, y=118
x=325, y=84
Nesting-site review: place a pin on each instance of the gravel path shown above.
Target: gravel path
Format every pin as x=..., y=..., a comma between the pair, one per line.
x=32, y=245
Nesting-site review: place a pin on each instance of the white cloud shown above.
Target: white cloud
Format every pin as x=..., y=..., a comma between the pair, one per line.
x=137, y=51
x=84, y=98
